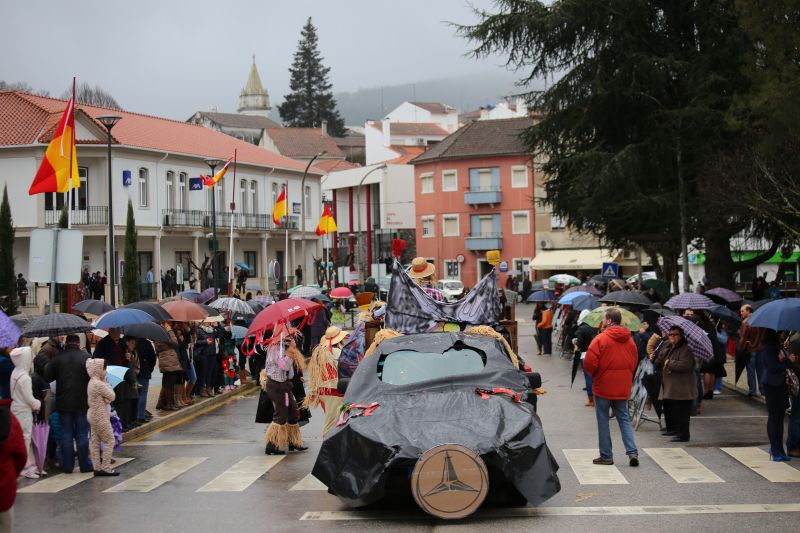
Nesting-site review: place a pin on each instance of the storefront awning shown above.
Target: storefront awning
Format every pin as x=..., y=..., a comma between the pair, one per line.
x=574, y=259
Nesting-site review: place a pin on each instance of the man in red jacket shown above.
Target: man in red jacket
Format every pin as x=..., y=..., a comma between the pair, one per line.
x=611, y=361
x=13, y=456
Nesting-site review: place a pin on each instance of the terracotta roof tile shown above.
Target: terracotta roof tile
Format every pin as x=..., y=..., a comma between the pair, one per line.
x=303, y=142
x=481, y=138
x=23, y=116
x=412, y=128
x=330, y=165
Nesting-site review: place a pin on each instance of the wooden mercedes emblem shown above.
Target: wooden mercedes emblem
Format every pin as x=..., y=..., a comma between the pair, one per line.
x=450, y=481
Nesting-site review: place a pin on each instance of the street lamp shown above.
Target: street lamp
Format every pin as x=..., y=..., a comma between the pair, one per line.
x=360, y=183
x=213, y=164
x=109, y=121
x=302, y=211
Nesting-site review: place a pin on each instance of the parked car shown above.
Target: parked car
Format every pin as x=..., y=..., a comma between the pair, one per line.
x=452, y=289
x=421, y=395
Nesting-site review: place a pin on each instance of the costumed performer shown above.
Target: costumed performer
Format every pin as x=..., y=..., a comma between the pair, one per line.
x=323, y=377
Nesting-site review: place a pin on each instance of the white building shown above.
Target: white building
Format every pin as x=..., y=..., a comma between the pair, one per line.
x=153, y=160
x=408, y=130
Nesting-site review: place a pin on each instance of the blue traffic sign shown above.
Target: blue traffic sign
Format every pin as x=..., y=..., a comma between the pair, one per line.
x=195, y=184
x=610, y=270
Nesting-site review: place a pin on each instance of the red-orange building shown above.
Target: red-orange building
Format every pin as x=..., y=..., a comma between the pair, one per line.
x=474, y=192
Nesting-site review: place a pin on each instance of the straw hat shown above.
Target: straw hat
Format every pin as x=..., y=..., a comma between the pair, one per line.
x=334, y=335
x=420, y=268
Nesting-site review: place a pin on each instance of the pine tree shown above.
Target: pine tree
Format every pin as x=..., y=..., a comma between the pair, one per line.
x=130, y=273
x=8, y=285
x=311, y=99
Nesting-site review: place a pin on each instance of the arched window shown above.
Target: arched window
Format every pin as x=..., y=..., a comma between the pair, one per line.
x=274, y=193
x=169, y=200
x=144, y=187
x=242, y=207
x=253, y=197
x=182, y=179
x=307, y=200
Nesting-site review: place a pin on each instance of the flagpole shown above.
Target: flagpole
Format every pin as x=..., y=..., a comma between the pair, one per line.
x=233, y=219
x=71, y=155
x=286, y=252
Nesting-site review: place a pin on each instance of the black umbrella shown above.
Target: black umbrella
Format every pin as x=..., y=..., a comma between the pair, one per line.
x=587, y=302
x=93, y=307
x=626, y=298
x=147, y=330
x=210, y=310
x=542, y=296
x=154, y=310
x=725, y=313
x=20, y=320
x=652, y=315
x=576, y=363
x=55, y=324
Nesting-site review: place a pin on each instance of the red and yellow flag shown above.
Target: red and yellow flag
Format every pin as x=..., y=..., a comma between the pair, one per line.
x=59, y=169
x=327, y=224
x=280, y=210
x=210, y=181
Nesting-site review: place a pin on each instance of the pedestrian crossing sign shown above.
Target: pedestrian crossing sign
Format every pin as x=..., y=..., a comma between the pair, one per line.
x=610, y=270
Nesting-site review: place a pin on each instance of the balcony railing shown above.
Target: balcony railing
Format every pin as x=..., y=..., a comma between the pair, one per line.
x=483, y=195
x=202, y=219
x=80, y=217
x=484, y=241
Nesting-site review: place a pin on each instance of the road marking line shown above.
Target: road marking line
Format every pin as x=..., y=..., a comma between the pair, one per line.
x=64, y=481
x=198, y=442
x=309, y=483
x=526, y=512
x=243, y=474
x=681, y=466
x=759, y=462
x=727, y=416
x=158, y=475
x=592, y=474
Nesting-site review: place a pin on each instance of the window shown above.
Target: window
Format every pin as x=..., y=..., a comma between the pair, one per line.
x=450, y=226
x=242, y=207
x=452, y=269
x=520, y=223
x=428, y=226
x=219, y=190
x=307, y=202
x=182, y=260
x=182, y=179
x=484, y=179
x=524, y=266
x=406, y=366
x=253, y=197
x=274, y=193
x=485, y=226
x=169, y=200
x=449, y=180
x=426, y=183
x=556, y=222
x=251, y=260
x=54, y=201
x=144, y=187
x=519, y=177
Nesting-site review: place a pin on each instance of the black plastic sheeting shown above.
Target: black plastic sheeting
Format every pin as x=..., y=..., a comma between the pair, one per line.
x=355, y=458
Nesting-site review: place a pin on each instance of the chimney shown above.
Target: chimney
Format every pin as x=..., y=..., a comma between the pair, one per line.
x=324, y=128
x=387, y=133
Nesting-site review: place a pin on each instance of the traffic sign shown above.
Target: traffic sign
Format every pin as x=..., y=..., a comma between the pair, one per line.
x=503, y=266
x=610, y=270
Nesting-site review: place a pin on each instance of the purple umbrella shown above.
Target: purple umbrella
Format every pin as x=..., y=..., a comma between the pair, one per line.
x=689, y=300
x=696, y=338
x=726, y=295
x=205, y=296
x=39, y=436
x=9, y=332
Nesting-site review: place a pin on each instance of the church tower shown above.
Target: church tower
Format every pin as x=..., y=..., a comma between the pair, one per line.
x=254, y=100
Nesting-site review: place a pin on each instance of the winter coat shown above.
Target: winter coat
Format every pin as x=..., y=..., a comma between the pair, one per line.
x=6, y=368
x=147, y=358
x=584, y=335
x=611, y=361
x=68, y=370
x=112, y=352
x=202, y=346
x=774, y=371
x=678, y=380
x=99, y=394
x=13, y=455
x=167, y=356
x=23, y=404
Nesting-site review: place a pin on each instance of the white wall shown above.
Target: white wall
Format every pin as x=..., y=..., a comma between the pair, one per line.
x=376, y=151
x=397, y=198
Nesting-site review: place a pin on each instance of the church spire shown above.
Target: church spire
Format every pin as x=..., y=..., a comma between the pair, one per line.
x=254, y=99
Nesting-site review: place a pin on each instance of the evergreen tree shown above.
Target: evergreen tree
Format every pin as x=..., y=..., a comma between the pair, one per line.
x=311, y=99
x=8, y=284
x=130, y=274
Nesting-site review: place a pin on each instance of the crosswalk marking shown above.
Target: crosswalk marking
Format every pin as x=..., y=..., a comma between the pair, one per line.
x=241, y=475
x=196, y=442
x=158, y=475
x=681, y=466
x=61, y=482
x=592, y=474
x=759, y=462
x=309, y=483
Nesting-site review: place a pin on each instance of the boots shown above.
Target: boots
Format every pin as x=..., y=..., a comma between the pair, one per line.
x=204, y=392
x=161, y=404
x=187, y=394
x=167, y=399
x=242, y=377
x=590, y=402
x=177, y=394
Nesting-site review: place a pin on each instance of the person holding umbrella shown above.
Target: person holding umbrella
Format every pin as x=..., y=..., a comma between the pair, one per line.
x=23, y=404
x=584, y=336
x=676, y=363
x=545, y=329
x=282, y=357
x=750, y=340
x=773, y=381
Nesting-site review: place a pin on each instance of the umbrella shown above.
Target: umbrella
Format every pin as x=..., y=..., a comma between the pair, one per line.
x=55, y=325
x=122, y=317
x=281, y=312
x=206, y=295
x=689, y=300
x=116, y=374
x=564, y=279
x=320, y=298
x=303, y=291
x=238, y=332
x=626, y=298
x=9, y=331
x=725, y=313
x=184, y=310
x=265, y=299
x=741, y=359
x=629, y=320
x=542, y=296
x=576, y=363
x=537, y=285
x=245, y=266
x=341, y=292
x=723, y=295
x=40, y=433
x=780, y=315
x=591, y=289
x=93, y=307
x=696, y=338
x=147, y=330
x=652, y=315
x=257, y=307
x=154, y=310
x=210, y=310
x=20, y=320
x=191, y=294
x=212, y=318
x=567, y=298
x=661, y=287
x=587, y=302
x=232, y=305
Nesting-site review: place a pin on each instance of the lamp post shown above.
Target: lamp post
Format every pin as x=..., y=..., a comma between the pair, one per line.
x=213, y=164
x=303, y=209
x=109, y=121
x=360, y=183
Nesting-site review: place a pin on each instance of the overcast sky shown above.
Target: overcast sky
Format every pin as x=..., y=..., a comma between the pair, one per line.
x=175, y=57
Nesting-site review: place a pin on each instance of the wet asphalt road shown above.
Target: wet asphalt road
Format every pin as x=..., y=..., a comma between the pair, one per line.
x=227, y=435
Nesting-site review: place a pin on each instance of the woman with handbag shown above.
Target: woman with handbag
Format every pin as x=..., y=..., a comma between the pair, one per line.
x=678, y=384
x=773, y=379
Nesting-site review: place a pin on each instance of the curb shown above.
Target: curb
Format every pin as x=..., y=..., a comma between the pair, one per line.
x=185, y=413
